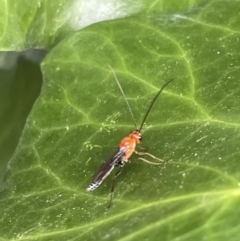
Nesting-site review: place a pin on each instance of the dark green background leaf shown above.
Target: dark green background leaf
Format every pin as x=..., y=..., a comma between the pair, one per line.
x=20, y=85
x=81, y=116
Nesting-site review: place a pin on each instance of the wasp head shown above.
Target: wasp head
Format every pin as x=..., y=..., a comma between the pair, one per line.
x=136, y=135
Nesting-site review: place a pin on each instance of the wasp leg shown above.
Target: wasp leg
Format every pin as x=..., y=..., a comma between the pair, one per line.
x=152, y=156
x=113, y=184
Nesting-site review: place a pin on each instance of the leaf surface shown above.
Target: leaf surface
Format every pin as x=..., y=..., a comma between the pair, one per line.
x=81, y=117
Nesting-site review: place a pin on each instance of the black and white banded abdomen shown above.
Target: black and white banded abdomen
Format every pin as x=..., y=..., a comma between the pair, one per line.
x=93, y=186
x=100, y=176
x=106, y=168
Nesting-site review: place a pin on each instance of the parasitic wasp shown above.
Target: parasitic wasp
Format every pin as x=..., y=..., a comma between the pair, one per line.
x=125, y=148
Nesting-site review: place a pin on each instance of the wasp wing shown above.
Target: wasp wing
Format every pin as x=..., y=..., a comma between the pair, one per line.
x=106, y=168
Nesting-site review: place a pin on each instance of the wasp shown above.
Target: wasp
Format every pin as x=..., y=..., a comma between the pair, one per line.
x=125, y=148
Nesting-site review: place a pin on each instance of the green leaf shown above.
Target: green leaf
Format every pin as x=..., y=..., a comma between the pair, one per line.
x=18, y=91
x=43, y=24
x=81, y=117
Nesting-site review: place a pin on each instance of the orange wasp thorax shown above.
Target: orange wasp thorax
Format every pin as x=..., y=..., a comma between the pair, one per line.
x=129, y=143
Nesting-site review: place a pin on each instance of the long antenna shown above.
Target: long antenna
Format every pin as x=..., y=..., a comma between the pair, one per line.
x=153, y=101
x=120, y=87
